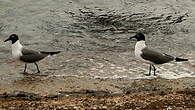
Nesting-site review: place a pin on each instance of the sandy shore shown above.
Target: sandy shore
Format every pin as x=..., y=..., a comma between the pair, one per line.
x=145, y=94
x=145, y=100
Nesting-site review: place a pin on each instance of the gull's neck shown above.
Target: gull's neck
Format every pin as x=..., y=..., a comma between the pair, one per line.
x=17, y=49
x=140, y=45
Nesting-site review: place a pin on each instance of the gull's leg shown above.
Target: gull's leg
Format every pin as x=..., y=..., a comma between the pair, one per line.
x=37, y=68
x=154, y=70
x=25, y=67
x=150, y=68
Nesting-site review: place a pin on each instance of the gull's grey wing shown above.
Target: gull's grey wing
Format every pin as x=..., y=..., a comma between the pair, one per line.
x=31, y=56
x=155, y=57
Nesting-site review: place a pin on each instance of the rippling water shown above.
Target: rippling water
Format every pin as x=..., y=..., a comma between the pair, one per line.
x=94, y=36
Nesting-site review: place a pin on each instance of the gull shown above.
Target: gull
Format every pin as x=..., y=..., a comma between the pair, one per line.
x=150, y=56
x=25, y=55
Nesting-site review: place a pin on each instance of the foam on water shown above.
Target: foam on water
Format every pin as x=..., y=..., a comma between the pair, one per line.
x=138, y=70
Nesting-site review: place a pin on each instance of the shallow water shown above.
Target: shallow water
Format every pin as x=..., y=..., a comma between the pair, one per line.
x=94, y=37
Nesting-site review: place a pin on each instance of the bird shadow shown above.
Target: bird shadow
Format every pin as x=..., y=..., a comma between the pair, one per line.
x=34, y=74
x=30, y=78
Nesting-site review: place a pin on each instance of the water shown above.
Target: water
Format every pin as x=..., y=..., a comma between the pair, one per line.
x=94, y=37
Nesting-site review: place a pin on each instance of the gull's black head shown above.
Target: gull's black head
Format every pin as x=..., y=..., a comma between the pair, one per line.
x=139, y=36
x=13, y=38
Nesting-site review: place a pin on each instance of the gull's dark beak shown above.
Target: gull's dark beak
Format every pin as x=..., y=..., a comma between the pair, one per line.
x=132, y=37
x=7, y=40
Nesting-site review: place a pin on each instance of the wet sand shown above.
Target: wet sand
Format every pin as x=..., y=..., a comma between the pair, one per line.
x=97, y=68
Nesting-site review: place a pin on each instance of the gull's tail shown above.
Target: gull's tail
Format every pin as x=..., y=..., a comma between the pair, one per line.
x=50, y=53
x=180, y=59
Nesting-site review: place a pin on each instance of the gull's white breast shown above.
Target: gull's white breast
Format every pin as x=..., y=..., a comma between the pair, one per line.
x=16, y=50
